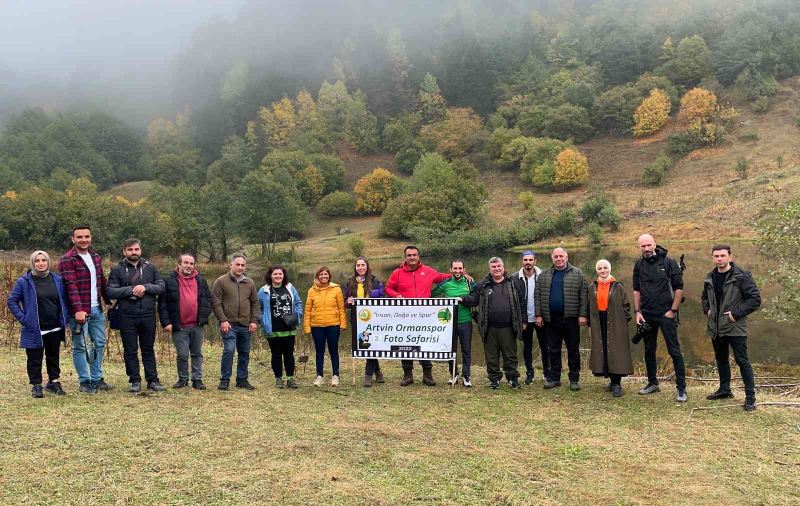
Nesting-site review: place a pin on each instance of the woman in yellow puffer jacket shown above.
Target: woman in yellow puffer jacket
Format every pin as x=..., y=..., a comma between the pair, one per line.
x=324, y=318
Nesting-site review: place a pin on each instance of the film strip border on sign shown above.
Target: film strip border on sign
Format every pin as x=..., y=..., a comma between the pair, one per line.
x=405, y=302
x=405, y=355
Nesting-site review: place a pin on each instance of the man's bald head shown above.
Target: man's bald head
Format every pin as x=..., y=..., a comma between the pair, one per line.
x=647, y=245
x=560, y=258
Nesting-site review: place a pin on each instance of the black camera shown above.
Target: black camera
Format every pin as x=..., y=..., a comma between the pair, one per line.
x=641, y=331
x=78, y=328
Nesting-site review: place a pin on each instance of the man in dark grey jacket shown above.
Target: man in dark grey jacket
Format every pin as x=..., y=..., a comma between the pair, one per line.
x=729, y=295
x=135, y=283
x=562, y=307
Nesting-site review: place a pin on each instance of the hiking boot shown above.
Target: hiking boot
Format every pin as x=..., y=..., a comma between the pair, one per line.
x=224, y=384
x=291, y=383
x=87, y=388
x=750, y=404
x=427, y=377
x=379, y=377
x=452, y=381
x=720, y=394
x=514, y=384
x=55, y=387
x=181, y=384
x=155, y=386
x=319, y=381
x=198, y=385
x=135, y=388
x=408, y=378
x=681, y=396
x=547, y=385
x=494, y=384
x=609, y=387
x=616, y=390
x=37, y=392
x=102, y=385
x=466, y=382
x=244, y=384
x=650, y=388
x=279, y=383
x=529, y=378
x=367, y=381
x=574, y=386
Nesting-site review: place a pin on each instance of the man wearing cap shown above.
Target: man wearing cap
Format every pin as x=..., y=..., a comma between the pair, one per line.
x=528, y=274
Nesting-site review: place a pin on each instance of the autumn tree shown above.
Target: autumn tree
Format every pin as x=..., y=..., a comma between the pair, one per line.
x=375, y=190
x=449, y=136
x=651, y=114
x=697, y=104
x=432, y=106
x=571, y=168
x=310, y=184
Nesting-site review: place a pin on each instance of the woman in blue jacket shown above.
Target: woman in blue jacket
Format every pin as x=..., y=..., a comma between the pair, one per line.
x=363, y=284
x=281, y=311
x=38, y=302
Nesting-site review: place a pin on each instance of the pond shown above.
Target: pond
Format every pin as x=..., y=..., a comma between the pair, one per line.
x=769, y=342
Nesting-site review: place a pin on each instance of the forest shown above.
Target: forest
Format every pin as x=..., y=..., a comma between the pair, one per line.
x=268, y=108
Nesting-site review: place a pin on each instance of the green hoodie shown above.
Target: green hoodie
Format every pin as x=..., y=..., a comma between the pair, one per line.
x=456, y=288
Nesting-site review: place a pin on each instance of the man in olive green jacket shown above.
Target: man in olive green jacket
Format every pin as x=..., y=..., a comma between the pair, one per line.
x=459, y=286
x=729, y=295
x=234, y=299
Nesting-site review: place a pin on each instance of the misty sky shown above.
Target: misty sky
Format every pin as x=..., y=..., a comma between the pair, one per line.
x=105, y=38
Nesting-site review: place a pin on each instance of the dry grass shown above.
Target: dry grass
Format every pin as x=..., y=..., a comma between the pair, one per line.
x=386, y=445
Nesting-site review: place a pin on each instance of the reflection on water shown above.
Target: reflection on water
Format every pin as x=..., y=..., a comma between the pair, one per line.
x=769, y=342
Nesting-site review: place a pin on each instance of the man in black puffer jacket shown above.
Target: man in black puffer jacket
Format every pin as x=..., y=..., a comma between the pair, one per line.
x=729, y=295
x=562, y=307
x=657, y=293
x=183, y=310
x=135, y=283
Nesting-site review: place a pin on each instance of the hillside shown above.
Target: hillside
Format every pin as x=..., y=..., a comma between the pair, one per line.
x=702, y=197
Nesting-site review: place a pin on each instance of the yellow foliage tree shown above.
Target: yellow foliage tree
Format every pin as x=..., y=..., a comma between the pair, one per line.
x=306, y=110
x=651, y=114
x=279, y=122
x=697, y=104
x=571, y=168
x=310, y=184
x=375, y=190
x=448, y=136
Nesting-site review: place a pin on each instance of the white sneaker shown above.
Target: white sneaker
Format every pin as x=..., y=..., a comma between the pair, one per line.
x=335, y=381
x=452, y=381
x=319, y=381
x=467, y=382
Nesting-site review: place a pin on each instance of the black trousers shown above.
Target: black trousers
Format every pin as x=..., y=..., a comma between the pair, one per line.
x=669, y=329
x=408, y=365
x=52, y=343
x=282, y=349
x=372, y=366
x=566, y=330
x=139, y=332
x=527, y=348
x=739, y=346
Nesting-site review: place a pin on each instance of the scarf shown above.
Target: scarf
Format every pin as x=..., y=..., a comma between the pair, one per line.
x=33, y=269
x=603, y=288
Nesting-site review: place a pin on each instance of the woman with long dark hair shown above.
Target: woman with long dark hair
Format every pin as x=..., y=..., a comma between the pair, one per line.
x=281, y=310
x=324, y=319
x=38, y=302
x=362, y=285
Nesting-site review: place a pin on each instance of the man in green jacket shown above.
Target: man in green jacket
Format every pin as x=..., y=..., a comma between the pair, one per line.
x=459, y=286
x=729, y=295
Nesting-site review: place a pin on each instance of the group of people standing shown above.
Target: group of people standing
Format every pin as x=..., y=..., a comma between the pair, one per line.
x=551, y=304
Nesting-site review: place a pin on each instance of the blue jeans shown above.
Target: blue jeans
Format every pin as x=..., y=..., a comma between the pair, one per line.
x=329, y=335
x=89, y=363
x=237, y=339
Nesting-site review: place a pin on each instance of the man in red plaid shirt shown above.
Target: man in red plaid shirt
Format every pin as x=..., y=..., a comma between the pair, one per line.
x=85, y=284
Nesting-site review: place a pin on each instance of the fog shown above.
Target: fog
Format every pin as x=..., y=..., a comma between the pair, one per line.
x=108, y=54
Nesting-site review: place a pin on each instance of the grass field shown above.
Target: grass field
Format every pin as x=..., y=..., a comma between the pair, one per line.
x=386, y=445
